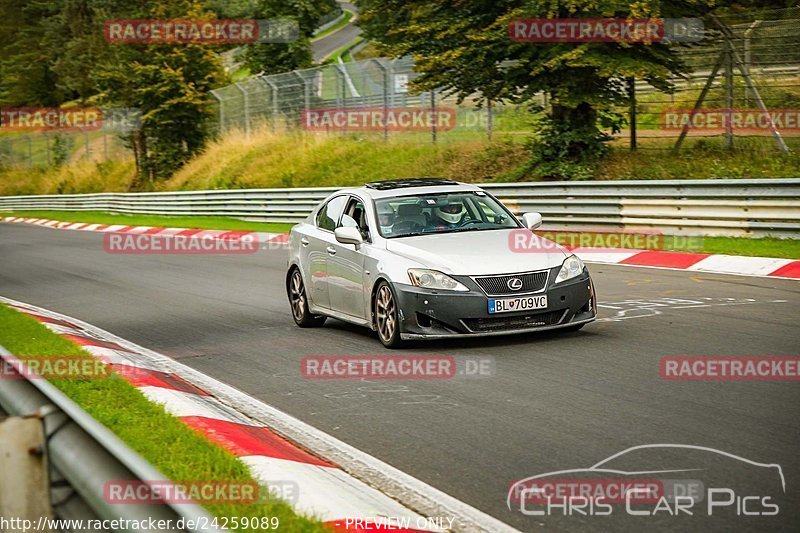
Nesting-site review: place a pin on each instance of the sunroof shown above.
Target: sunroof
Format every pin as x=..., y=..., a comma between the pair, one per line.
x=413, y=182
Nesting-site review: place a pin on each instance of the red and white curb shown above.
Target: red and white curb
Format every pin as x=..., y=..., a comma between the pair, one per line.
x=713, y=263
x=260, y=236
x=274, y=445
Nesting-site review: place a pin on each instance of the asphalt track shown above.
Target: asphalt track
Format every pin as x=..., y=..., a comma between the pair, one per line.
x=556, y=401
x=327, y=45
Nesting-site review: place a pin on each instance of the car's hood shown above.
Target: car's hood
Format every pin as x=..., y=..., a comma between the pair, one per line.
x=477, y=252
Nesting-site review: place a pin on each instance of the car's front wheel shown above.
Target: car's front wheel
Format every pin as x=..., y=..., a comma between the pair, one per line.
x=386, y=316
x=299, y=302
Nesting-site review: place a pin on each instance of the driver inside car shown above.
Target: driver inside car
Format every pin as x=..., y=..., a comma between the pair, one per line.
x=452, y=214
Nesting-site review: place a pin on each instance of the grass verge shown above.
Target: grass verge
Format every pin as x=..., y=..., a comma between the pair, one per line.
x=763, y=247
x=343, y=52
x=173, y=448
x=189, y=222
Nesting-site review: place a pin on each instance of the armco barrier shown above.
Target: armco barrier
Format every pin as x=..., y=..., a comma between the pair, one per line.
x=84, y=456
x=758, y=207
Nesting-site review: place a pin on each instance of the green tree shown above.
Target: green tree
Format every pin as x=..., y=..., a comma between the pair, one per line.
x=273, y=58
x=27, y=77
x=463, y=47
x=168, y=83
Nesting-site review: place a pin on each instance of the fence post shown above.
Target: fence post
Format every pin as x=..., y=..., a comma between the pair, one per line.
x=306, y=93
x=221, y=113
x=273, y=89
x=246, y=108
x=433, y=114
x=748, y=58
x=728, y=93
x=632, y=116
x=489, y=119
x=385, y=90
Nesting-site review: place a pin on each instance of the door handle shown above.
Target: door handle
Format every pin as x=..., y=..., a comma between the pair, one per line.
x=304, y=241
x=331, y=250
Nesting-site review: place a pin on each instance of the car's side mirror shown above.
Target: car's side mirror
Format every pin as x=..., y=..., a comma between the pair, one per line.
x=532, y=220
x=348, y=235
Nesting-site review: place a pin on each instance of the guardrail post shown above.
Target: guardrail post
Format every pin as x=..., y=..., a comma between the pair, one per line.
x=88, y=455
x=24, y=473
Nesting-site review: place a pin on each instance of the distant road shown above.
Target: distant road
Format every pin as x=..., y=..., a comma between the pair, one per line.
x=330, y=43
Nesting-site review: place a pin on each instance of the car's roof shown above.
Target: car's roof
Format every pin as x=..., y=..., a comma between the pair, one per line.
x=411, y=190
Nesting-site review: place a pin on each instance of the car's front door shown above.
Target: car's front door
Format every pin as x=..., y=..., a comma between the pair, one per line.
x=346, y=264
x=318, y=245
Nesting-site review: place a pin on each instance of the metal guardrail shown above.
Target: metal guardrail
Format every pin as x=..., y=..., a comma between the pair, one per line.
x=754, y=207
x=86, y=455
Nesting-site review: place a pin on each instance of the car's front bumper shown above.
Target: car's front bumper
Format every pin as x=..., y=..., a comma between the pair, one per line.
x=431, y=314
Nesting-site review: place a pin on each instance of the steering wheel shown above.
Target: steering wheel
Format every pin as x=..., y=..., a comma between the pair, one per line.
x=469, y=221
x=407, y=226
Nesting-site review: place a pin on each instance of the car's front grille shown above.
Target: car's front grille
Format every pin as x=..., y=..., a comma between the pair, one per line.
x=506, y=323
x=501, y=285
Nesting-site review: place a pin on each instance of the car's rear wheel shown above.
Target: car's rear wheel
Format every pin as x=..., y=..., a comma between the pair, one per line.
x=299, y=303
x=386, y=316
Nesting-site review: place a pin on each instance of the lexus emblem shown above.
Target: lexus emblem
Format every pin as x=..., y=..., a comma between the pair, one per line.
x=514, y=284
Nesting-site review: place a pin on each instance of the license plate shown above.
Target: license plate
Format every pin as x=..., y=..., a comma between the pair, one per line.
x=524, y=303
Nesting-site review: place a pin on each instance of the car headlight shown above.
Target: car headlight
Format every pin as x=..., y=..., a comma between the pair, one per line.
x=572, y=267
x=433, y=279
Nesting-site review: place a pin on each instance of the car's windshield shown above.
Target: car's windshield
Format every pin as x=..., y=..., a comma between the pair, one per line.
x=404, y=216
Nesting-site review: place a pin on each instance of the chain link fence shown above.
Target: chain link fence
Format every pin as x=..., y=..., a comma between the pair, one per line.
x=744, y=90
x=753, y=67
x=56, y=148
x=361, y=98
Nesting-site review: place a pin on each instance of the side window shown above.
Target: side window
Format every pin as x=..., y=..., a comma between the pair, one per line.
x=329, y=215
x=356, y=216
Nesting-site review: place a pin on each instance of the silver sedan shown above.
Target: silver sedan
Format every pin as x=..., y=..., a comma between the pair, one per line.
x=432, y=258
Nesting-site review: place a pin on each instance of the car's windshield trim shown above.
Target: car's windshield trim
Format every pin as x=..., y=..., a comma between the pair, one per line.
x=453, y=230
x=481, y=192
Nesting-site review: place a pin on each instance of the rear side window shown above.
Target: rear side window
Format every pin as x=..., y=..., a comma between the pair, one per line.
x=329, y=215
